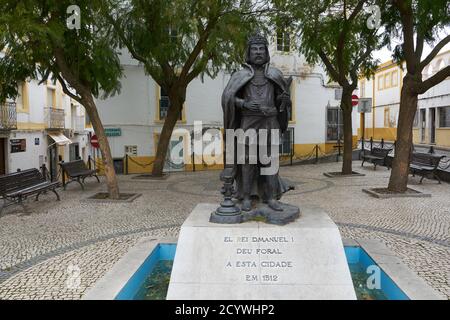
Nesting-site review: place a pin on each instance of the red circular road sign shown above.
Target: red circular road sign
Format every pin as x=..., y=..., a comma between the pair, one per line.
x=94, y=141
x=355, y=100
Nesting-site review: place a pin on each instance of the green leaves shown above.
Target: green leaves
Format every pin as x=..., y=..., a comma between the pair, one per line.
x=334, y=32
x=179, y=40
x=176, y=40
x=414, y=23
x=32, y=30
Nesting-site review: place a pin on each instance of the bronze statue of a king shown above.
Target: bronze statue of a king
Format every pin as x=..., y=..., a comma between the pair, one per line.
x=256, y=99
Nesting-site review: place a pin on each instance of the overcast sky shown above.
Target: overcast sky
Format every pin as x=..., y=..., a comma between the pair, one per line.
x=385, y=54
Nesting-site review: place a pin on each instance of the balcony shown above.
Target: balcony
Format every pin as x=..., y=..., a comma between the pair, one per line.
x=8, y=116
x=78, y=123
x=54, y=118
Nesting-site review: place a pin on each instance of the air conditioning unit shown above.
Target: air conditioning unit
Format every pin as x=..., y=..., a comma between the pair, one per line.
x=69, y=133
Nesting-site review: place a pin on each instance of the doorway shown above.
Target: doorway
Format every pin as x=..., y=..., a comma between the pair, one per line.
x=53, y=157
x=432, y=125
x=2, y=156
x=423, y=124
x=74, y=151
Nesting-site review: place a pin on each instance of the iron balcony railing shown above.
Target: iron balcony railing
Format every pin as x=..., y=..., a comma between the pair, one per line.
x=54, y=118
x=8, y=116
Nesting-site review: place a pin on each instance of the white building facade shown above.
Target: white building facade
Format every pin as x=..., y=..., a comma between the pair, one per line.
x=432, y=122
x=137, y=113
x=42, y=126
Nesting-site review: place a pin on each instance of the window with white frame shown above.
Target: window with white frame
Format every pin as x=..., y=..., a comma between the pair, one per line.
x=19, y=98
x=394, y=81
x=286, y=141
x=164, y=105
x=386, y=117
x=335, y=124
x=51, y=97
x=362, y=91
x=444, y=117
x=283, y=40
x=416, y=120
x=387, y=80
x=380, y=82
x=393, y=116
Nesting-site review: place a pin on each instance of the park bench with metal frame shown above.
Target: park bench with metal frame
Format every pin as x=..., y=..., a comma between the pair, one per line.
x=18, y=186
x=377, y=156
x=425, y=165
x=76, y=171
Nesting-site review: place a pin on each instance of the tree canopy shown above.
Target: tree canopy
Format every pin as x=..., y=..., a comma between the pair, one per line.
x=40, y=43
x=336, y=33
x=415, y=23
x=33, y=33
x=180, y=40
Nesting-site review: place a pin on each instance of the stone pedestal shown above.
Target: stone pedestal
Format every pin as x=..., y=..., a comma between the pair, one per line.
x=302, y=260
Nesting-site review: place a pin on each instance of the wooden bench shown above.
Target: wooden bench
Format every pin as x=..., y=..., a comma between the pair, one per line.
x=425, y=165
x=77, y=172
x=377, y=156
x=17, y=186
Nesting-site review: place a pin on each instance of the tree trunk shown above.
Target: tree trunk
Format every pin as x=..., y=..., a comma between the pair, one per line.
x=346, y=106
x=398, y=181
x=173, y=114
x=88, y=102
x=110, y=174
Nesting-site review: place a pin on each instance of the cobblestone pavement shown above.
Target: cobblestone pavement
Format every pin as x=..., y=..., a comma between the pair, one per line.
x=60, y=249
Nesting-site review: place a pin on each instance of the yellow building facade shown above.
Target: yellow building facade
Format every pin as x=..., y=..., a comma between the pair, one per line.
x=432, y=122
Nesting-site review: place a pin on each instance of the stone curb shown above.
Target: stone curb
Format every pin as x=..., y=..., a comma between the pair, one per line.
x=378, y=195
x=130, y=199
x=109, y=286
x=337, y=175
x=409, y=282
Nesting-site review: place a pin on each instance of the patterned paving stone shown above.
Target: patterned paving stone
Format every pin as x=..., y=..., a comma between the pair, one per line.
x=42, y=252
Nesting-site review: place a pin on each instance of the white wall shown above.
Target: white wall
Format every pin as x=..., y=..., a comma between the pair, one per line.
x=311, y=103
x=134, y=105
x=140, y=136
x=37, y=100
x=30, y=158
x=37, y=96
x=134, y=109
x=439, y=95
x=203, y=101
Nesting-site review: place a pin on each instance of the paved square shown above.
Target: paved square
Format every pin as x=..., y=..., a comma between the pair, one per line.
x=61, y=249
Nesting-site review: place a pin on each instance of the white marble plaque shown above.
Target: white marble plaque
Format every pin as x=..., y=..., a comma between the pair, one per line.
x=302, y=260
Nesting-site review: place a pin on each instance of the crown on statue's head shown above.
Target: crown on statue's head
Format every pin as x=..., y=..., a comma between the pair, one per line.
x=257, y=38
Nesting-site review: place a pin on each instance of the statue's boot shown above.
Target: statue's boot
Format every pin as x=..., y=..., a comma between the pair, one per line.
x=274, y=205
x=246, y=205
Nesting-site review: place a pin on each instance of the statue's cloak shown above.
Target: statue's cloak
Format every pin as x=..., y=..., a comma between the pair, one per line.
x=232, y=120
x=231, y=115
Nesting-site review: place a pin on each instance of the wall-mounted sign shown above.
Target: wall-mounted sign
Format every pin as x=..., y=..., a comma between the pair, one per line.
x=18, y=145
x=131, y=150
x=113, y=132
x=94, y=142
x=36, y=141
x=355, y=100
